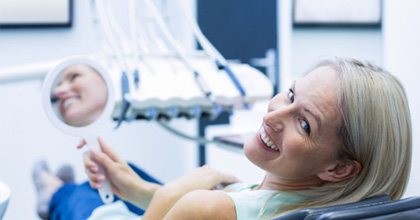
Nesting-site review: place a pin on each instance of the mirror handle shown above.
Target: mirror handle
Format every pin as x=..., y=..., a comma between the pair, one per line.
x=105, y=192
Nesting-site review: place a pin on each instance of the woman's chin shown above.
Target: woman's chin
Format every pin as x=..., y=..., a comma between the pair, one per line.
x=73, y=123
x=75, y=120
x=250, y=150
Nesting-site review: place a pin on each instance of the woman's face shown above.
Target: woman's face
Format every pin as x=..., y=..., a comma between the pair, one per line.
x=298, y=138
x=81, y=95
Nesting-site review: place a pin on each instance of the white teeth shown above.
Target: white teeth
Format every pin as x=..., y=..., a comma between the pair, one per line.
x=68, y=102
x=267, y=140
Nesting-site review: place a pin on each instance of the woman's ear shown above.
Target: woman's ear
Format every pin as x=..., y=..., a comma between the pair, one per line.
x=341, y=170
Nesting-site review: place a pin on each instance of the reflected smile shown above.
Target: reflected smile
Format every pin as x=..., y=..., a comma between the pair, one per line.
x=267, y=141
x=66, y=103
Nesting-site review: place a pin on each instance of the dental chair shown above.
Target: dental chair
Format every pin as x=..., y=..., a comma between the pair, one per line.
x=375, y=208
x=4, y=198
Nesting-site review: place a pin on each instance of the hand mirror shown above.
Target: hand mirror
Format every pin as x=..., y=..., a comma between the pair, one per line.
x=78, y=98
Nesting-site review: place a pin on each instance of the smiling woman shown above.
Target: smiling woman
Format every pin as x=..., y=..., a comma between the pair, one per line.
x=80, y=95
x=340, y=134
x=297, y=142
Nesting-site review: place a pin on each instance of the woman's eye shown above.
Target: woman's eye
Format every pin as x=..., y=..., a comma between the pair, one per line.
x=291, y=96
x=305, y=126
x=74, y=77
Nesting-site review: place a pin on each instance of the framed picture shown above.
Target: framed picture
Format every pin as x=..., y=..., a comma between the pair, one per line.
x=36, y=13
x=337, y=13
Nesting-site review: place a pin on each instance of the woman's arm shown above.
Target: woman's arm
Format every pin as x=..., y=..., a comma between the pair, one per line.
x=203, y=204
x=125, y=182
x=167, y=197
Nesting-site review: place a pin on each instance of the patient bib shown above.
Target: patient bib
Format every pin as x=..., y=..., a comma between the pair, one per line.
x=259, y=204
x=114, y=211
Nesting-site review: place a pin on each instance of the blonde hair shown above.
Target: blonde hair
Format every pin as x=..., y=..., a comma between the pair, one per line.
x=376, y=132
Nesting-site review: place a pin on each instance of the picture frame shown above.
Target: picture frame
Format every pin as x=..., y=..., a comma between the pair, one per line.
x=36, y=13
x=337, y=13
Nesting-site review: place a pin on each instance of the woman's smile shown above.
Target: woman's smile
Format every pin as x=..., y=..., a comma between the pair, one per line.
x=266, y=140
x=67, y=102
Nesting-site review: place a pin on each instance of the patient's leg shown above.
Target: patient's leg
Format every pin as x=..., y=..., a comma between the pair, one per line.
x=46, y=184
x=77, y=201
x=66, y=174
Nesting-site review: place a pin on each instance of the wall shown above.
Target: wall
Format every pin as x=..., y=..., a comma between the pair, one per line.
x=26, y=135
x=401, y=57
x=301, y=48
x=310, y=45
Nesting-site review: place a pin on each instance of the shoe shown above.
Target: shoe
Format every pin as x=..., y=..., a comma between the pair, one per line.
x=66, y=173
x=39, y=170
x=46, y=184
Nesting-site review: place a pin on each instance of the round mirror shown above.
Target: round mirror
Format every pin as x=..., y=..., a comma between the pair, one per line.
x=79, y=95
x=78, y=98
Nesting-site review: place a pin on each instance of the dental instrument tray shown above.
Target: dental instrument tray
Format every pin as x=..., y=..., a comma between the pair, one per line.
x=170, y=90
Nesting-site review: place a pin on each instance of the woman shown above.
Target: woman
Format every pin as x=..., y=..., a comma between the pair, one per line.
x=340, y=134
x=81, y=95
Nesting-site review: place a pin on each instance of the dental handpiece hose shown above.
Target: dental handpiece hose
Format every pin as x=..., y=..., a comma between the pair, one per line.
x=204, y=87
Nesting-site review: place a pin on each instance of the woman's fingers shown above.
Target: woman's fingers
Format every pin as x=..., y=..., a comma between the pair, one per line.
x=217, y=176
x=95, y=177
x=104, y=147
x=108, y=150
x=104, y=160
x=93, y=159
x=228, y=178
x=89, y=163
x=81, y=144
x=95, y=184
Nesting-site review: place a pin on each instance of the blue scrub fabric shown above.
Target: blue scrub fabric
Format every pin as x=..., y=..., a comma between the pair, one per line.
x=77, y=201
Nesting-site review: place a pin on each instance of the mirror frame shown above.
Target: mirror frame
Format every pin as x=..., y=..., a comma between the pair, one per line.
x=49, y=81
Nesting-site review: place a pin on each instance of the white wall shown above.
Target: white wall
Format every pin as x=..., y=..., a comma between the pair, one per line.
x=402, y=57
x=310, y=45
x=301, y=48
x=26, y=135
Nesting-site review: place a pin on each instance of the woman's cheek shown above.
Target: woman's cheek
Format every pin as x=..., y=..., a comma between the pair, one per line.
x=294, y=146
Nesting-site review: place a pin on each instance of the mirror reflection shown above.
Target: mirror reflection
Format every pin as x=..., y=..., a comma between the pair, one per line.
x=79, y=95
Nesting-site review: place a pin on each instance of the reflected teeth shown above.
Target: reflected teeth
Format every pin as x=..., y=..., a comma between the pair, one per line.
x=267, y=141
x=68, y=102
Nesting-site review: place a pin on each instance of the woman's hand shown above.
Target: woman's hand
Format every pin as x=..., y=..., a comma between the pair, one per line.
x=125, y=182
x=203, y=177
x=200, y=178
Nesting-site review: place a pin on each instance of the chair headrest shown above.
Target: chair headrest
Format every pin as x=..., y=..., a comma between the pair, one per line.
x=313, y=213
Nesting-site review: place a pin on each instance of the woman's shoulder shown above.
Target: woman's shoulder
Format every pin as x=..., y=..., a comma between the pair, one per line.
x=261, y=203
x=203, y=204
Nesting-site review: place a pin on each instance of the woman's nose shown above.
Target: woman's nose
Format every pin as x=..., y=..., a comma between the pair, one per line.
x=60, y=91
x=277, y=118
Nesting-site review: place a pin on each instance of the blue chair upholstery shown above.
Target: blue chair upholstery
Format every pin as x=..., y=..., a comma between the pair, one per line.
x=375, y=208
x=408, y=208
x=406, y=215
